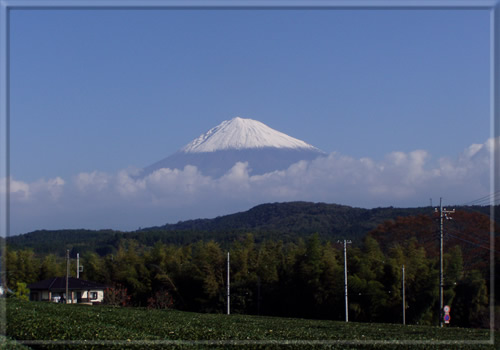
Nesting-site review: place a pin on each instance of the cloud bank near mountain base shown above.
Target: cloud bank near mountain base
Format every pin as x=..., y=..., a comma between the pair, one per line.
x=99, y=200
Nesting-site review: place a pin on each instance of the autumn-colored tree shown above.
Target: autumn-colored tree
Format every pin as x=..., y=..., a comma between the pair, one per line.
x=423, y=228
x=471, y=232
x=117, y=296
x=160, y=300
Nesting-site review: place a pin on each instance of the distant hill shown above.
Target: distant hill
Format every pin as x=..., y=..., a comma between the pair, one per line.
x=278, y=221
x=76, y=240
x=295, y=219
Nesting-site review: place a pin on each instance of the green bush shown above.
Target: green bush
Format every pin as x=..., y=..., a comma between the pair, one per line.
x=22, y=292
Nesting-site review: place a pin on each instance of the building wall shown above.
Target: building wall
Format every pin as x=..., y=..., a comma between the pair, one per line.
x=95, y=295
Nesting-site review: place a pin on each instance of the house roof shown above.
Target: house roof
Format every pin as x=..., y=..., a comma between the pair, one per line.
x=59, y=283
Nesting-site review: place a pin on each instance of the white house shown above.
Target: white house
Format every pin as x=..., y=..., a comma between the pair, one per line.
x=79, y=291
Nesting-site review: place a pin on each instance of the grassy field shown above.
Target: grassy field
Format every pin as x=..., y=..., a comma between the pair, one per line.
x=56, y=326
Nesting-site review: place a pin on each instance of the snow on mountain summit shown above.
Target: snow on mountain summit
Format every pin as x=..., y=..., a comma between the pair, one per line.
x=241, y=133
x=239, y=140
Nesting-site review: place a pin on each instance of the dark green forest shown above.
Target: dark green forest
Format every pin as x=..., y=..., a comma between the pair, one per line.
x=292, y=271
x=275, y=221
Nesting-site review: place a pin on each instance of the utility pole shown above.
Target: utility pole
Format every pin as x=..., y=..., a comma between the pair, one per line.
x=67, y=275
x=228, y=289
x=404, y=301
x=77, y=265
x=443, y=214
x=345, y=279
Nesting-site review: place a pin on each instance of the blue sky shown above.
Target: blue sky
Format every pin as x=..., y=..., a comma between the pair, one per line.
x=100, y=91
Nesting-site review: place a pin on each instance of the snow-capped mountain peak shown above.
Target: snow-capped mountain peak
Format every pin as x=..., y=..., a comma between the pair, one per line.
x=239, y=140
x=241, y=133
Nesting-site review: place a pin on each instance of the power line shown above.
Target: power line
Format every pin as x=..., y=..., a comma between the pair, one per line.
x=485, y=241
x=488, y=199
x=482, y=199
x=473, y=243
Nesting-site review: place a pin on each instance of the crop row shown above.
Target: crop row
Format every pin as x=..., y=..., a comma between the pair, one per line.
x=47, y=325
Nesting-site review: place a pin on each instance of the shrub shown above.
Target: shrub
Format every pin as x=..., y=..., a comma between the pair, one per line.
x=161, y=300
x=22, y=291
x=116, y=296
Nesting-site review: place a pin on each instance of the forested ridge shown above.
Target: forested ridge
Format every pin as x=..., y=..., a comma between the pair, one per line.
x=278, y=221
x=298, y=275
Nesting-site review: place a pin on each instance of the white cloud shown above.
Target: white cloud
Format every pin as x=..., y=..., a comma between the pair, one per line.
x=125, y=201
x=40, y=190
x=95, y=181
x=19, y=190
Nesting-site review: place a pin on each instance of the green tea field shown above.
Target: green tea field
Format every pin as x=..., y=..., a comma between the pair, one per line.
x=41, y=325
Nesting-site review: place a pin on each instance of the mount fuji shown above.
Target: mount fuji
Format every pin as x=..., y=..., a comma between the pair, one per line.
x=239, y=140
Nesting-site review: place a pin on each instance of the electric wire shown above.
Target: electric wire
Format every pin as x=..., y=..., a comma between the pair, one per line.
x=473, y=243
x=492, y=198
x=483, y=240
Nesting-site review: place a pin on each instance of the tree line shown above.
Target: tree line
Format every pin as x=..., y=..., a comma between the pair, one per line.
x=304, y=278
x=277, y=221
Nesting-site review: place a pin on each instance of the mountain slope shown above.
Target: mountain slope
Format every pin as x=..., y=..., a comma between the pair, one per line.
x=293, y=219
x=280, y=221
x=239, y=140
